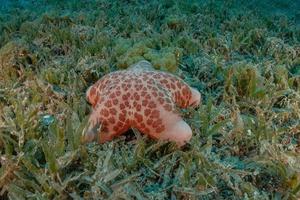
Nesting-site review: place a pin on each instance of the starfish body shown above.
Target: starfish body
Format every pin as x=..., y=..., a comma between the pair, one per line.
x=142, y=98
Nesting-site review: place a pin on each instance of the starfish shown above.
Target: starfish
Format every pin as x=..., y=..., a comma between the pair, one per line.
x=141, y=98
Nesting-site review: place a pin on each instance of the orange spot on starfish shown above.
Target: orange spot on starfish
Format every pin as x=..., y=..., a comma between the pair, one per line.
x=118, y=92
x=168, y=107
x=149, y=121
x=144, y=103
x=122, y=117
x=127, y=104
x=113, y=111
x=154, y=114
x=115, y=101
x=124, y=97
x=151, y=104
x=148, y=96
x=108, y=103
x=154, y=94
x=147, y=112
x=111, y=120
x=136, y=96
x=122, y=106
x=112, y=95
x=161, y=100
x=160, y=129
x=138, y=117
x=155, y=124
x=104, y=112
x=143, y=93
x=138, y=107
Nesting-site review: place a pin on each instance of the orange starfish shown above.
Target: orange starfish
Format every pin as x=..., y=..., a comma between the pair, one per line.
x=141, y=98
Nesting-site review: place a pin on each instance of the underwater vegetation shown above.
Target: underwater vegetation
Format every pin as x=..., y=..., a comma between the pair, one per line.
x=243, y=56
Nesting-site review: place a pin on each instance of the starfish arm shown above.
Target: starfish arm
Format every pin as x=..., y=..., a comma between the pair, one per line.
x=182, y=94
x=97, y=92
x=93, y=93
x=162, y=122
x=179, y=132
x=105, y=123
x=195, y=98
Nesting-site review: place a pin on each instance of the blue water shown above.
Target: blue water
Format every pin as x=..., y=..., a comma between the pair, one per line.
x=289, y=8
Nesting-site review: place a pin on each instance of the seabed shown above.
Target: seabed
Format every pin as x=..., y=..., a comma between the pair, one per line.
x=243, y=56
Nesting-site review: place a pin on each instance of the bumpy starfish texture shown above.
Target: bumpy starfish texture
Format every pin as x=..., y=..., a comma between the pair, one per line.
x=142, y=98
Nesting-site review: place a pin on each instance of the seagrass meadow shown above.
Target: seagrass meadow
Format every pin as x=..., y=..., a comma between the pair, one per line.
x=243, y=56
